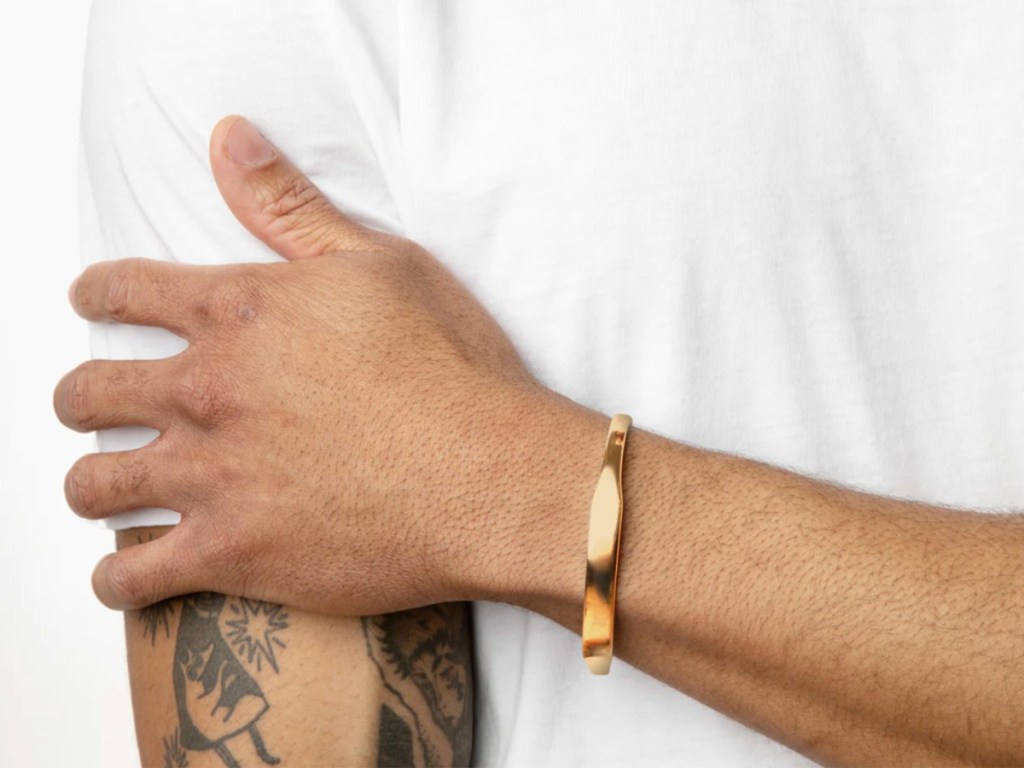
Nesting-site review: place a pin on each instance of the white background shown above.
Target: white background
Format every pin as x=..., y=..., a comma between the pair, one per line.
x=63, y=681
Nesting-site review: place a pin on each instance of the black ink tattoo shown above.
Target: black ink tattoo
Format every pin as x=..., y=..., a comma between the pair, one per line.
x=216, y=698
x=425, y=664
x=174, y=755
x=394, y=741
x=155, y=616
x=254, y=629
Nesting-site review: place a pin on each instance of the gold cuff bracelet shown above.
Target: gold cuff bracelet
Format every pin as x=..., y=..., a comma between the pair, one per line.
x=603, y=552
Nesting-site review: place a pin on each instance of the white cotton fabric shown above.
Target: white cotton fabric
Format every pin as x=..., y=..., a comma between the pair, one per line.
x=791, y=230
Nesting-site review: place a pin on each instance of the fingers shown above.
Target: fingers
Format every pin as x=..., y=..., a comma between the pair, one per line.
x=103, y=394
x=274, y=200
x=148, y=573
x=141, y=292
x=99, y=485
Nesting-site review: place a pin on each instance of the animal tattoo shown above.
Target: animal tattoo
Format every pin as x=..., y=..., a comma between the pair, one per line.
x=223, y=645
x=216, y=697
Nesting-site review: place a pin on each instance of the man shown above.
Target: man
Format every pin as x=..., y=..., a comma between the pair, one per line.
x=789, y=235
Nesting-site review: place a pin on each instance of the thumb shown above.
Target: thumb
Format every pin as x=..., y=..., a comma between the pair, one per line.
x=274, y=200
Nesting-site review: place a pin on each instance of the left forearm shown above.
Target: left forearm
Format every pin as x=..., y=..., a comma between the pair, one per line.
x=852, y=627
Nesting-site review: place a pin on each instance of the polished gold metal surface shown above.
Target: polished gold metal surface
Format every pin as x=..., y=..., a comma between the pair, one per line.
x=603, y=552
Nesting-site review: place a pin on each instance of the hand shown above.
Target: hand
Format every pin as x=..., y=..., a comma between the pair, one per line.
x=335, y=424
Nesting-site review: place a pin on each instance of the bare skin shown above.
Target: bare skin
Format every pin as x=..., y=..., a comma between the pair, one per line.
x=859, y=630
x=854, y=628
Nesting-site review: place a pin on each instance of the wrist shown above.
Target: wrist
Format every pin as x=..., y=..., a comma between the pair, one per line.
x=528, y=545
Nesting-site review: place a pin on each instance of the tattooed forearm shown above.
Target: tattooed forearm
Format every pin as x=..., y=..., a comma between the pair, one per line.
x=221, y=644
x=236, y=682
x=425, y=663
x=223, y=681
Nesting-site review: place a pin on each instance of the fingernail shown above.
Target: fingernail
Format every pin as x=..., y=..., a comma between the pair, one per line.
x=246, y=146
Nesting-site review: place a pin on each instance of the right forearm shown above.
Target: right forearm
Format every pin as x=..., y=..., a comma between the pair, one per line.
x=218, y=679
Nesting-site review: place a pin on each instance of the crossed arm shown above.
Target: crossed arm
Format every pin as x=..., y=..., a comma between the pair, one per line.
x=311, y=689
x=222, y=680
x=856, y=629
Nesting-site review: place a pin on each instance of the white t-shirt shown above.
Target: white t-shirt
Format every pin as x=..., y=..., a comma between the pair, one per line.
x=792, y=230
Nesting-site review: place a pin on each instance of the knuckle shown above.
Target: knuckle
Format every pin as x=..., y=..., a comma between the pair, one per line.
x=297, y=195
x=208, y=396
x=77, y=402
x=80, y=489
x=132, y=478
x=121, y=287
x=125, y=583
x=299, y=209
x=235, y=298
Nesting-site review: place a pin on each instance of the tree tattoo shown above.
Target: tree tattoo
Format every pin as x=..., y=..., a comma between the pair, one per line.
x=174, y=755
x=216, y=697
x=155, y=616
x=424, y=660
